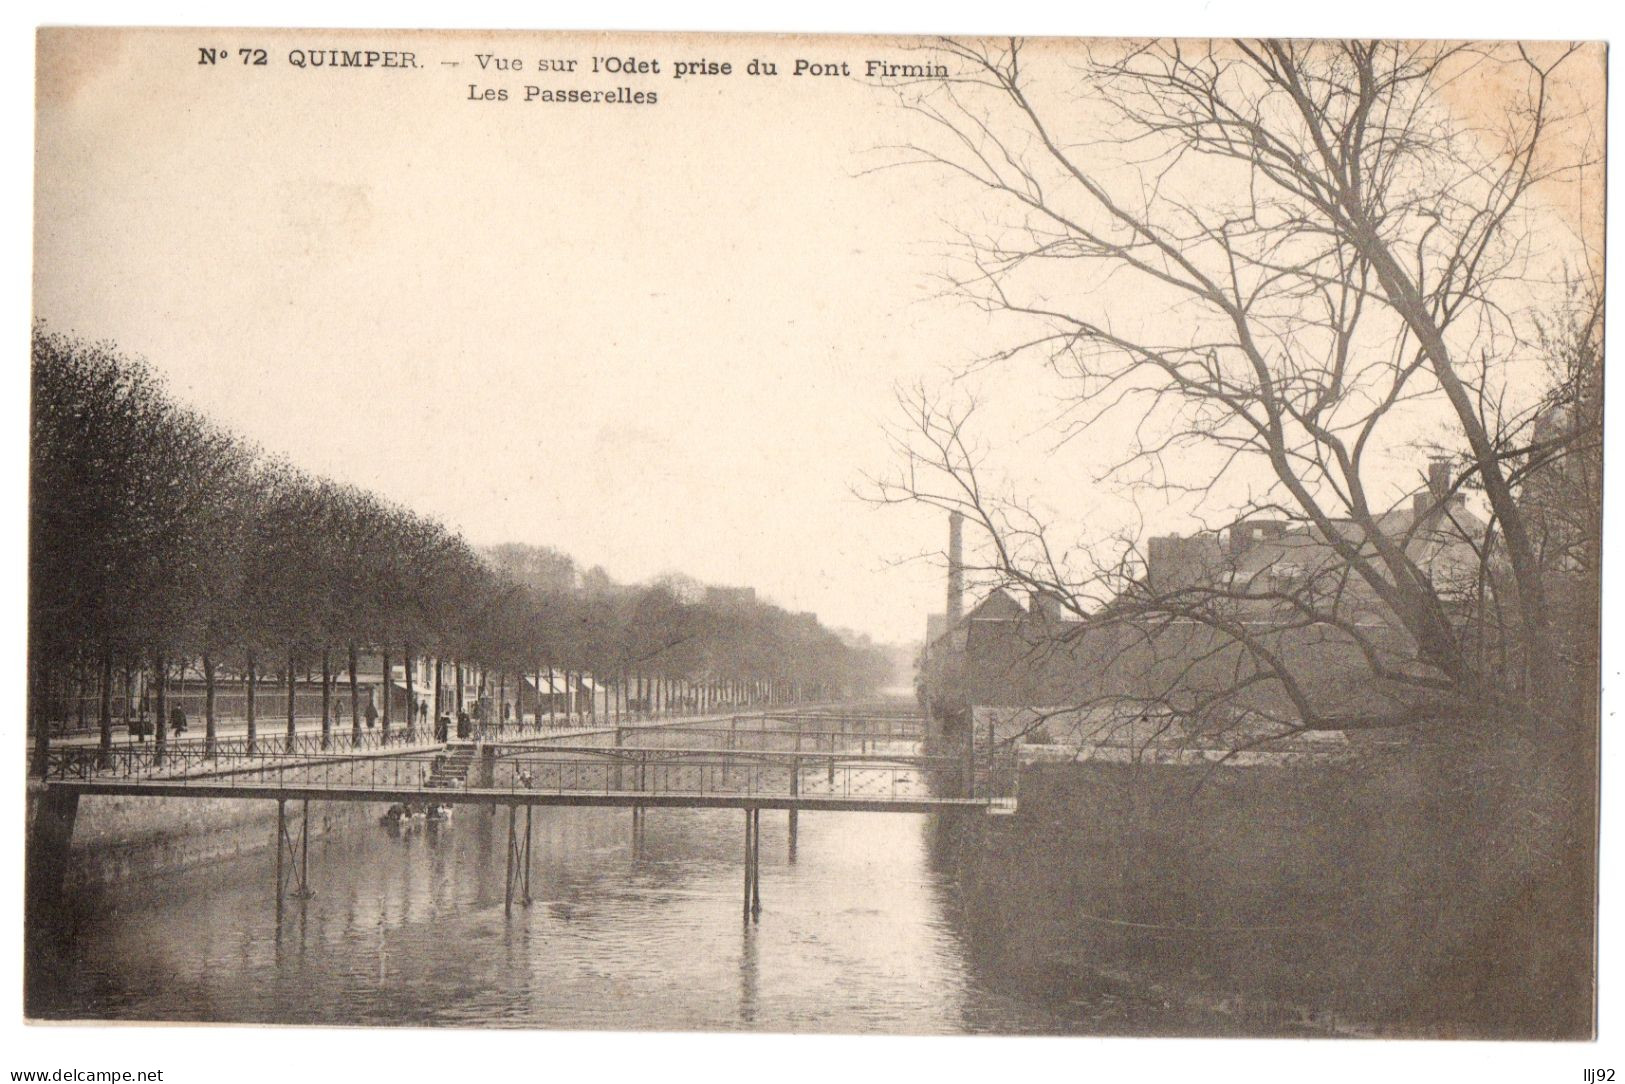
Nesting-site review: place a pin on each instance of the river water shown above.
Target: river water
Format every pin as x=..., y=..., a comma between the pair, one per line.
x=863, y=930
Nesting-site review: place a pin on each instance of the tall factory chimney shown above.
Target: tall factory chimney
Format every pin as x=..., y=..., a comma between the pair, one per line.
x=956, y=568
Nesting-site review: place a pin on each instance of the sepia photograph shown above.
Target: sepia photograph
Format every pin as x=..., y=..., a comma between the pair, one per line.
x=852, y=535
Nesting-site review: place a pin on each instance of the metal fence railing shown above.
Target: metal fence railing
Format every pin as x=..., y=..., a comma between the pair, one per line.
x=226, y=752
x=70, y=716
x=807, y=775
x=746, y=738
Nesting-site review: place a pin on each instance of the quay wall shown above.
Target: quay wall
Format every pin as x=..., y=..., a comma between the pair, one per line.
x=122, y=838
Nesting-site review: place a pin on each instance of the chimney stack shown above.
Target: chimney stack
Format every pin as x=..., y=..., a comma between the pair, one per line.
x=956, y=568
x=1438, y=478
x=1436, y=494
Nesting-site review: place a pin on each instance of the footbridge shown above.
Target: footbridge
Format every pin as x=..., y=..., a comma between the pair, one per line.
x=807, y=761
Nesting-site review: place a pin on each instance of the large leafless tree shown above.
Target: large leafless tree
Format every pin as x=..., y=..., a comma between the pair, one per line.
x=1279, y=267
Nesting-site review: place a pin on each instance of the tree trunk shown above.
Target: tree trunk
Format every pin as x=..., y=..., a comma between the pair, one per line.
x=293, y=679
x=327, y=698
x=104, y=712
x=387, y=684
x=160, y=723
x=210, y=734
x=249, y=709
x=410, y=684
x=355, y=702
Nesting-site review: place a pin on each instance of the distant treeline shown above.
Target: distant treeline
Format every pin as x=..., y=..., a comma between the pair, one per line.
x=156, y=536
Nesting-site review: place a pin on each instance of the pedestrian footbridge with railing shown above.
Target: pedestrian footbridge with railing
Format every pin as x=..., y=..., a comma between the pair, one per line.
x=794, y=762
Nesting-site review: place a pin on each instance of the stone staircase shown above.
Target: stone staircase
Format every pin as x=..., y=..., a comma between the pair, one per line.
x=450, y=769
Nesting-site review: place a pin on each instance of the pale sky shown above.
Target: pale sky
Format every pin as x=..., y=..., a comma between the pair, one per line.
x=657, y=338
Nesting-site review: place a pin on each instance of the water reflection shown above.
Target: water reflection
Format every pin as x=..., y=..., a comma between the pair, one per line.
x=871, y=922
x=749, y=965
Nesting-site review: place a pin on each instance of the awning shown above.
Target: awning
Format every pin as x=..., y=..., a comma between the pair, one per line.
x=556, y=684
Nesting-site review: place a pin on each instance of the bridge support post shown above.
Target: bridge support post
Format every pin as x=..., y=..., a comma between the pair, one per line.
x=640, y=780
x=795, y=792
x=513, y=846
x=518, y=860
x=753, y=864
x=750, y=872
x=528, y=811
x=486, y=774
x=292, y=855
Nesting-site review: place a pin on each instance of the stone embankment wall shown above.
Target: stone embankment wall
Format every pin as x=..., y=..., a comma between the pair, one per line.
x=125, y=838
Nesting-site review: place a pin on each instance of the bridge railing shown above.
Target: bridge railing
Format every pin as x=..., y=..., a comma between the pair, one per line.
x=499, y=732
x=807, y=775
x=898, y=753
x=758, y=740
x=192, y=754
x=874, y=726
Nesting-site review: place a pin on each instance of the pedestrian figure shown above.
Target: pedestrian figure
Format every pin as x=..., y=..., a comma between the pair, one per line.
x=177, y=720
x=442, y=727
x=372, y=715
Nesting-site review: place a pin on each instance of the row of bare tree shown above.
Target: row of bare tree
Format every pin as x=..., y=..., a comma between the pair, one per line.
x=158, y=540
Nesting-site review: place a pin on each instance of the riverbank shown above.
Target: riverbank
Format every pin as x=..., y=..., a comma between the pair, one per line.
x=1346, y=895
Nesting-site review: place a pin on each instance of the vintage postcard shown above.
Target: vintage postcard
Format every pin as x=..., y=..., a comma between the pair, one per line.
x=635, y=532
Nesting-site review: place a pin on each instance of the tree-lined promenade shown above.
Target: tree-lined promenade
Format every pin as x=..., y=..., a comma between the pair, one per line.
x=160, y=544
